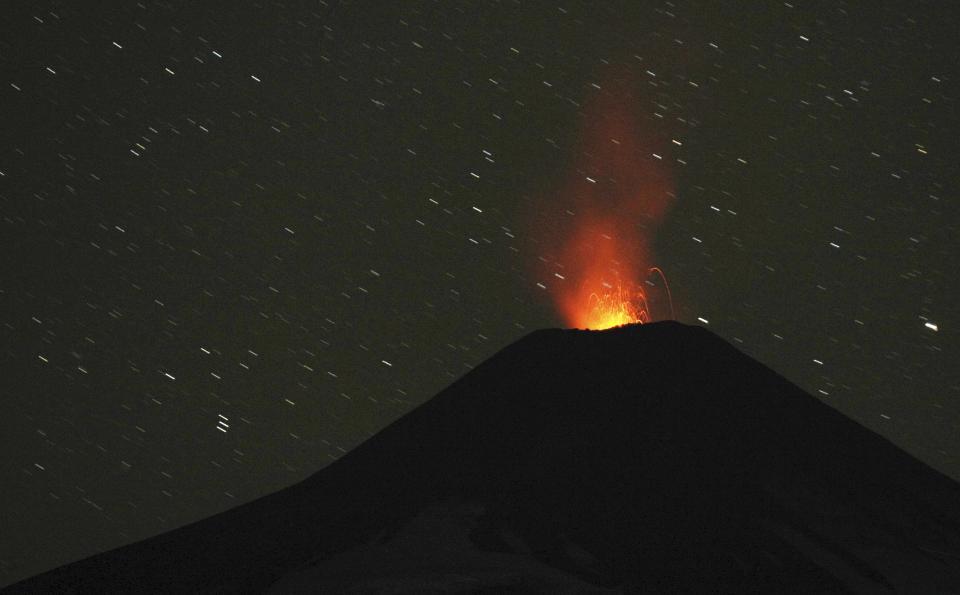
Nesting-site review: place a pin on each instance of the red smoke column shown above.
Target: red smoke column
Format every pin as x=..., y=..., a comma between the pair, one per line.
x=619, y=190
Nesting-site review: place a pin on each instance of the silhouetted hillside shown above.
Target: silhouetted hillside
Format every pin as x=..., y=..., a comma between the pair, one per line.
x=639, y=459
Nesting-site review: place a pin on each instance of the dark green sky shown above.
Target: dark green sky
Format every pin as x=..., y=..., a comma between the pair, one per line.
x=267, y=213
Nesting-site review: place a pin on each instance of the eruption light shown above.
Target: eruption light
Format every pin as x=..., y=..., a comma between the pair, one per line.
x=618, y=305
x=617, y=193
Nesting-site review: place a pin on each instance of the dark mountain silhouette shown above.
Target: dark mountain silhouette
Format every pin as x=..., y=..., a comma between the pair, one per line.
x=652, y=458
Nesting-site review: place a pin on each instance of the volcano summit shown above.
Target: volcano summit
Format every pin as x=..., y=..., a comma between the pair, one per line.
x=645, y=458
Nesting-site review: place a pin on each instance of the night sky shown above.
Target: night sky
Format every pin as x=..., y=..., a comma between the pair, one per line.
x=239, y=238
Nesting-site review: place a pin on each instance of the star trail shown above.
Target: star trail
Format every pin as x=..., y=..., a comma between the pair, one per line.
x=241, y=238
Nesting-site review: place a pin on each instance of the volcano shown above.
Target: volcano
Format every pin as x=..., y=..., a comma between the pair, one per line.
x=644, y=458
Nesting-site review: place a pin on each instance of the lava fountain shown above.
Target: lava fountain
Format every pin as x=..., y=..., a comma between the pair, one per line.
x=597, y=230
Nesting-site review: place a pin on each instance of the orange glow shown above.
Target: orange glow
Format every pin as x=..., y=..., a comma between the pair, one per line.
x=613, y=304
x=596, y=231
x=615, y=307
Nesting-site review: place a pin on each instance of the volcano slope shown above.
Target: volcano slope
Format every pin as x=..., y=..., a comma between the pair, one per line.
x=646, y=458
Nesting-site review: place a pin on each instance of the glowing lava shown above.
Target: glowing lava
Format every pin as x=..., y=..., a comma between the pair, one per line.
x=617, y=305
x=597, y=230
x=607, y=288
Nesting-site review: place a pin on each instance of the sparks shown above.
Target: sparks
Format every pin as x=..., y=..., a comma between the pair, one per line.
x=620, y=304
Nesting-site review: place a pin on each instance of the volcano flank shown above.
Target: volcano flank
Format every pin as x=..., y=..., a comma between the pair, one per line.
x=644, y=458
